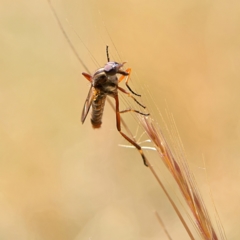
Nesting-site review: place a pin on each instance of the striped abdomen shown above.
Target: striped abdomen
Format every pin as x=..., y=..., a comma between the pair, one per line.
x=97, y=110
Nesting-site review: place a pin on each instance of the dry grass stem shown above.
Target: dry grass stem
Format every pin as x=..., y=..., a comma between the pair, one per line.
x=162, y=225
x=184, y=179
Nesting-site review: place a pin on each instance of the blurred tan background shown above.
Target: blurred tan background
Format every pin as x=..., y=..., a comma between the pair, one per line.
x=63, y=180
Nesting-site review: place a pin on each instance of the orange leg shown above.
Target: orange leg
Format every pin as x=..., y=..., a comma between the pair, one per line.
x=118, y=120
x=129, y=70
x=123, y=76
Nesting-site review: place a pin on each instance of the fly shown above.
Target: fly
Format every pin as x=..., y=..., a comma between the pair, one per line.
x=104, y=82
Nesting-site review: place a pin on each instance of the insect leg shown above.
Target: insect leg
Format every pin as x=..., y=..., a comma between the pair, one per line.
x=136, y=111
x=126, y=82
x=130, y=95
x=118, y=120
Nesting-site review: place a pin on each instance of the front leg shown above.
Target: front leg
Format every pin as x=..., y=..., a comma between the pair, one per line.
x=129, y=70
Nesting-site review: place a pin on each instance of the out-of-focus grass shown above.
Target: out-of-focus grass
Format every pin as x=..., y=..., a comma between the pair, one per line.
x=62, y=180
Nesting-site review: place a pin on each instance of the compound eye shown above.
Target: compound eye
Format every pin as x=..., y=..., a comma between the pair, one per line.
x=111, y=67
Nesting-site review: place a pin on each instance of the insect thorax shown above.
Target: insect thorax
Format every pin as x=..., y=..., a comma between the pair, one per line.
x=105, y=83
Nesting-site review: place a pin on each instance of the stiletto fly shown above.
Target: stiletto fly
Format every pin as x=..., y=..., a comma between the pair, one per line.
x=104, y=82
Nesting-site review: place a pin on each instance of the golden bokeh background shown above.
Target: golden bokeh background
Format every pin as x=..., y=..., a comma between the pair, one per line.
x=63, y=180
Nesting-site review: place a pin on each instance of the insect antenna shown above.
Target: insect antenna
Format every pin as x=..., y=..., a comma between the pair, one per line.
x=108, y=58
x=106, y=29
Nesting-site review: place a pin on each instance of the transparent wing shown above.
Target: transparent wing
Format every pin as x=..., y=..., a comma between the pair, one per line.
x=87, y=104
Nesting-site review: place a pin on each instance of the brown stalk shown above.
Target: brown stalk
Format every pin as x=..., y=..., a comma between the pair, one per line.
x=180, y=171
x=162, y=225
